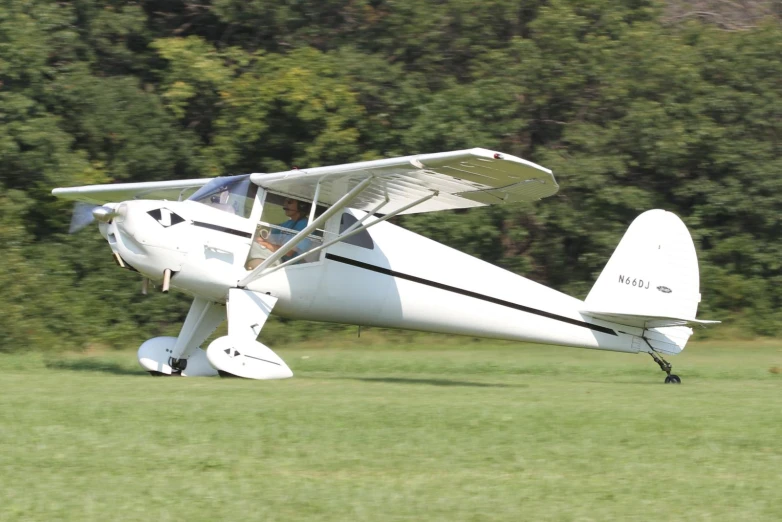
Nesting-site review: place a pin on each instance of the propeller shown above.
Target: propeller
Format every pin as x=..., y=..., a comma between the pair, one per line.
x=84, y=214
x=81, y=217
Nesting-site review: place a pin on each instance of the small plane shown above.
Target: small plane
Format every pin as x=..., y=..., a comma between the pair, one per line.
x=316, y=244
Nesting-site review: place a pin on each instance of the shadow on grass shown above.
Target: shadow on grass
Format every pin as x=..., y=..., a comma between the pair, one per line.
x=92, y=365
x=435, y=382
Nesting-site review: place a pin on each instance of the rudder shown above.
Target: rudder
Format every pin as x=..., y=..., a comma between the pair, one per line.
x=652, y=272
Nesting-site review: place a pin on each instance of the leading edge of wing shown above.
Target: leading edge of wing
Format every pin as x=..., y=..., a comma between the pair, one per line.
x=100, y=194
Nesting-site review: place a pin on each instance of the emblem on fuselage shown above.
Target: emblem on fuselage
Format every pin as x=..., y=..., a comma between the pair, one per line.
x=166, y=218
x=664, y=289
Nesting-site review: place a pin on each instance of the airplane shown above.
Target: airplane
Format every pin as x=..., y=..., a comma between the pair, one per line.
x=233, y=244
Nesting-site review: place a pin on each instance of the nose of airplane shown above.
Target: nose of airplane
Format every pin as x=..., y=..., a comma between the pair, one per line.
x=145, y=236
x=150, y=224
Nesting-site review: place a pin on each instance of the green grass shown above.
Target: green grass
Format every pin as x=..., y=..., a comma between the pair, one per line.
x=454, y=431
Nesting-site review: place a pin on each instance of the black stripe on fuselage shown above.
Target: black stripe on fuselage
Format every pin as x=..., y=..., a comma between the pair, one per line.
x=468, y=293
x=222, y=229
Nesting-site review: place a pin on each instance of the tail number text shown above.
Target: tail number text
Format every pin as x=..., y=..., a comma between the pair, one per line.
x=633, y=281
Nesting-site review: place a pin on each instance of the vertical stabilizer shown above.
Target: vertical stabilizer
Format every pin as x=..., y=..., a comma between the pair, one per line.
x=653, y=271
x=651, y=282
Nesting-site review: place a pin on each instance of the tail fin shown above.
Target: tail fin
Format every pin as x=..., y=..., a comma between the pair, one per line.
x=651, y=280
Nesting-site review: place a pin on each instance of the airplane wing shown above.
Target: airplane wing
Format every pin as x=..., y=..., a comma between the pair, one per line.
x=100, y=194
x=462, y=179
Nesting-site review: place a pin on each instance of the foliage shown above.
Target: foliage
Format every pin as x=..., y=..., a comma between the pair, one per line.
x=633, y=104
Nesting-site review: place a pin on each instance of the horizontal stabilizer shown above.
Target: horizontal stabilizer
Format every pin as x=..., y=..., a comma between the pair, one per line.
x=645, y=321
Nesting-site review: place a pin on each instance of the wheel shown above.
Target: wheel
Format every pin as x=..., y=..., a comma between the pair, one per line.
x=177, y=365
x=673, y=379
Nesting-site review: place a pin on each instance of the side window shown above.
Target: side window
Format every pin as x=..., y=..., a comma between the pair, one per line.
x=362, y=239
x=282, y=219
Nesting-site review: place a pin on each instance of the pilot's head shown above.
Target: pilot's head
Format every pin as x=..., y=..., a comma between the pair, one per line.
x=295, y=209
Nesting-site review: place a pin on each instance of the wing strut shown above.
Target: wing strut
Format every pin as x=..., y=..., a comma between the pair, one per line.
x=370, y=213
x=298, y=238
x=352, y=231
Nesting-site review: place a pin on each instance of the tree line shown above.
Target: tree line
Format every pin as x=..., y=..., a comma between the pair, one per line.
x=634, y=104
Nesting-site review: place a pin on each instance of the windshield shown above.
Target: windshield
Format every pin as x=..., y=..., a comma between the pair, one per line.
x=233, y=194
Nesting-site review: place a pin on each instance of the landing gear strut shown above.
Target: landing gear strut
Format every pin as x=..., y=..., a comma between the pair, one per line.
x=663, y=364
x=666, y=367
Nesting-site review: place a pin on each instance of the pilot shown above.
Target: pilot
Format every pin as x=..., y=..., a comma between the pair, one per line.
x=298, y=214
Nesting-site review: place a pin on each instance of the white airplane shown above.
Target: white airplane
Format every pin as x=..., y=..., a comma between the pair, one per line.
x=316, y=244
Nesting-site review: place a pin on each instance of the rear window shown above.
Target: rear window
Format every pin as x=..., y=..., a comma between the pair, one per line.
x=362, y=239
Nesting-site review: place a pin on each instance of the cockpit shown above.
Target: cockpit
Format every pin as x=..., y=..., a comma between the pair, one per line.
x=233, y=194
x=281, y=219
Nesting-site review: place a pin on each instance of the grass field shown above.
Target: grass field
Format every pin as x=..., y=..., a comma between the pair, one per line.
x=452, y=431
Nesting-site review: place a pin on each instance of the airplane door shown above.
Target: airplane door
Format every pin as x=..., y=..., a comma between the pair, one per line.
x=279, y=219
x=346, y=293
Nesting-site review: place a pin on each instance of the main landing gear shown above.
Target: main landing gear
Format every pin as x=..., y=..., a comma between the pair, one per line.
x=666, y=367
x=237, y=354
x=177, y=365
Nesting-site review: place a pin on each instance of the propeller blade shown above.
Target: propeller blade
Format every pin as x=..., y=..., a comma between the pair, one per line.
x=81, y=217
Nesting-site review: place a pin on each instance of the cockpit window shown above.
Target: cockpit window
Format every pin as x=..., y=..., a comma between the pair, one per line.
x=233, y=194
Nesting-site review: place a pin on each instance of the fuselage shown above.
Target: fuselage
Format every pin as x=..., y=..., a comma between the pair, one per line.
x=403, y=281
